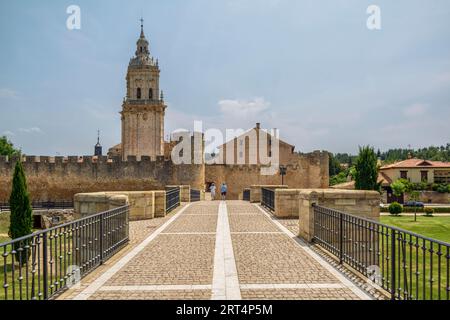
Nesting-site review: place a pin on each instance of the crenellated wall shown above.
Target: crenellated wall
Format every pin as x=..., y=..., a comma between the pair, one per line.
x=60, y=178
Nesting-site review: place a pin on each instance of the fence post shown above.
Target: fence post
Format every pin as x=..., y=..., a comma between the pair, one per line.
x=101, y=238
x=341, y=238
x=393, y=264
x=45, y=266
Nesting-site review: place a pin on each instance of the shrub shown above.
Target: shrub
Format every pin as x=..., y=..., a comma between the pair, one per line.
x=395, y=208
x=429, y=211
x=411, y=210
x=441, y=187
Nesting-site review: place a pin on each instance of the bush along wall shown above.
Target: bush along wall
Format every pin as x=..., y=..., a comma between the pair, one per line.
x=419, y=210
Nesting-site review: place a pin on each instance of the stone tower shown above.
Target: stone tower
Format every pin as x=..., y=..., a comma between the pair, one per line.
x=143, y=108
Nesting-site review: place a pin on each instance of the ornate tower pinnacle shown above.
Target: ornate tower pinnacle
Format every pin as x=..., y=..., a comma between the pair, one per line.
x=143, y=108
x=98, y=146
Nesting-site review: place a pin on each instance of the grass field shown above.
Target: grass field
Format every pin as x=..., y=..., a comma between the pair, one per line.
x=4, y=226
x=433, y=227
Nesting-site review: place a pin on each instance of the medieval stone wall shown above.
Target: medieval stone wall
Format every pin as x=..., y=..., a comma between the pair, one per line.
x=304, y=171
x=59, y=178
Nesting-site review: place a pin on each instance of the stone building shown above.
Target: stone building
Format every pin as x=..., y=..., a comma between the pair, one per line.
x=249, y=147
x=143, y=108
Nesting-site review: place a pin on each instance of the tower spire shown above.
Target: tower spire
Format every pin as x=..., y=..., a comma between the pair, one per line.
x=142, y=27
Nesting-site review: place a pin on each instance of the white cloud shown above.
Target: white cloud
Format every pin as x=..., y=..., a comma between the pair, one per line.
x=243, y=108
x=31, y=130
x=415, y=110
x=8, y=133
x=8, y=93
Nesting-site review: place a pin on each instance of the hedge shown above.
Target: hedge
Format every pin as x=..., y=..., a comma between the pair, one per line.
x=420, y=210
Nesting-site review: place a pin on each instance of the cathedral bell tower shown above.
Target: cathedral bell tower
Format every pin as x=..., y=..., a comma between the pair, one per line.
x=143, y=109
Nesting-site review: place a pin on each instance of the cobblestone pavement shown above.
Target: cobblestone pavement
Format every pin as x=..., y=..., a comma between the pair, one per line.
x=216, y=250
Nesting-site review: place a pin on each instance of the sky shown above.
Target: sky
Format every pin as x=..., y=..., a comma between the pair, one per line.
x=310, y=68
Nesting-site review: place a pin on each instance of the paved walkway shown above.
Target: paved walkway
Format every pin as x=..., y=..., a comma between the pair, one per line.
x=215, y=250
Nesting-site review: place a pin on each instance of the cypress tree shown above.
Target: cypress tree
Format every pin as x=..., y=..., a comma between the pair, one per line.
x=366, y=170
x=21, y=222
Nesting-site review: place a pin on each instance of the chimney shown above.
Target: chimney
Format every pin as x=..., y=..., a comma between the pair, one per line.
x=258, y=125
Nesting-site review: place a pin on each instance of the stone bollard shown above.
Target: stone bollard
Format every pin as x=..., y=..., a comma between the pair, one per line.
x=160, y=204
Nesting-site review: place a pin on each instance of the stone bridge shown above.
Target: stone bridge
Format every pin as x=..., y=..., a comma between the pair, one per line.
x=228, y=250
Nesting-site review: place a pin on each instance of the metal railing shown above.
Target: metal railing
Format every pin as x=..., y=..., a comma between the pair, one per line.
x=44, y=205
x=195, y=195
x=246, y=195
x=172, y=199
x=407, y=265
x=43, y=264
x=268, y=198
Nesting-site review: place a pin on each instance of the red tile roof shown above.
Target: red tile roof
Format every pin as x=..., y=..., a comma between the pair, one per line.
x=416, y=163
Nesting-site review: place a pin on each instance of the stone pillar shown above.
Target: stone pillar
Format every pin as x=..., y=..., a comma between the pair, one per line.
x=306, y=214
x=286, y=203
x=185, y=193
x=160, y=204
x=141, y=205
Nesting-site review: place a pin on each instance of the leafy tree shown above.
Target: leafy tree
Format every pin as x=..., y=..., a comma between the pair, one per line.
x=441, y=153
x=6, y=147
x=334, y=165
x=21, y=212
x=398, y=188
x=366, y=170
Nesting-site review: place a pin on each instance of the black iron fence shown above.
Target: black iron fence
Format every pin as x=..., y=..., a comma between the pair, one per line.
x=407, y=265
x=172, y=198
x=268, y=198
x=43, y=205
x=45, y=263
x=246, y=195
x=195, y=195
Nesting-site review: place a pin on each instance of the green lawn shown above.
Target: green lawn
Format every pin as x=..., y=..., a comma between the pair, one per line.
x=4, y=226
x=433, y=227
x=425, y=275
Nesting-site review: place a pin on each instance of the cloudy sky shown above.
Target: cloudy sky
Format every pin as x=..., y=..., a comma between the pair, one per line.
x=311, y=68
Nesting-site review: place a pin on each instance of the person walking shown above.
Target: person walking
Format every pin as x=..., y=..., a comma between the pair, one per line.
x=223, y=191
x=212, y=189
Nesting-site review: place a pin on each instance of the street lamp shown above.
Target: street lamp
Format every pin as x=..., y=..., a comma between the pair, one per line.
x=283, y=171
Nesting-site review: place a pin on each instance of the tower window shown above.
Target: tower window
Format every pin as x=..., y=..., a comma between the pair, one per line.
x=142, y=49
x=150, y=93
x=138, y=93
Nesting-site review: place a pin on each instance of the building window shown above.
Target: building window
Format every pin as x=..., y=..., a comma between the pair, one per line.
x=150, y=93
x=403, y=174
x=424, y=176
x=138, y=93
x=442, y=176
